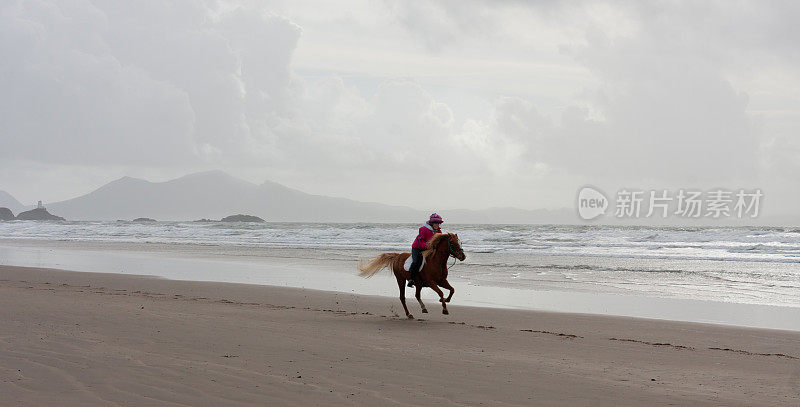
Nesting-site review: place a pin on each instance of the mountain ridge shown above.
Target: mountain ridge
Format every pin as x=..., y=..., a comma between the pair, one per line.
x=216, y=194
x=8, y=201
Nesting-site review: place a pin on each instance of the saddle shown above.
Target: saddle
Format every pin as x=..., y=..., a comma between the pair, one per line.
x=409, y=260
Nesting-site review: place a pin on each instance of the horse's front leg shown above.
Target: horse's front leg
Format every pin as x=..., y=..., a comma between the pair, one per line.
x=419, y=298
x=447, y=285
x=441, y=296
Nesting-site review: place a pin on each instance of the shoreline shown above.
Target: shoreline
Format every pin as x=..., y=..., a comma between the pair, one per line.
x=334, y=270
x=77, y=338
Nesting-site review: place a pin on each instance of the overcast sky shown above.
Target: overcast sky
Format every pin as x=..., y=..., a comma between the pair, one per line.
x=439, y=104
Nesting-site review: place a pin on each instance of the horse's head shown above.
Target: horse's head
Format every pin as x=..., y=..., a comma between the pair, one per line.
x=454, y=247
x=445, y=243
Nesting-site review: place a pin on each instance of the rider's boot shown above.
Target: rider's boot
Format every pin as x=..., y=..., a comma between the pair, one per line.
x=413, y=278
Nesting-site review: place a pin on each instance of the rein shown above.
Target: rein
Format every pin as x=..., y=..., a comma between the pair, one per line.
x=450, y=249
x=453, y=253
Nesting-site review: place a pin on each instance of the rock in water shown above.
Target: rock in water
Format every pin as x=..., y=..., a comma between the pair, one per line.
x=38, y=214
x=144, y=220
x=242, y=218
x=6, y=214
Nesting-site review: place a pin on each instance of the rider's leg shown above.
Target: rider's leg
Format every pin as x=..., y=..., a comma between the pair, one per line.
x=416, y=261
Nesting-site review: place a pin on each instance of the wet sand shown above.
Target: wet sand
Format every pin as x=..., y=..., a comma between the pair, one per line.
x=336, y=270
x=69, y=338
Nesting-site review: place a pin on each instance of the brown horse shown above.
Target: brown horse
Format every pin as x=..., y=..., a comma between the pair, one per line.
x=433, y=274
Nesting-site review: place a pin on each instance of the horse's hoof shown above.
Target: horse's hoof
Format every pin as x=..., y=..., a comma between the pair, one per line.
x=410, y=316
x=444, y=311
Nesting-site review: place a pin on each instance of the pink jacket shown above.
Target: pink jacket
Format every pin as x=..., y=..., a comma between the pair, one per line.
x=425, y=234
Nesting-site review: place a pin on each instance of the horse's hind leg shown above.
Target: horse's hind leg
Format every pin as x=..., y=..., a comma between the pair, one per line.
x=401, y=283
x=419, y=299
x=447, y=285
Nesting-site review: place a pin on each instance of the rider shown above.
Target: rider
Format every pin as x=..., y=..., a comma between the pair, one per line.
x=426, y=232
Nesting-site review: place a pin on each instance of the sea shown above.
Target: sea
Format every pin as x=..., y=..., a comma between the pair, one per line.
x=757, y=266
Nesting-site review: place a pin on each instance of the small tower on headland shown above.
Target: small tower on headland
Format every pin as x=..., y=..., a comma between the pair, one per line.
x=39, y=206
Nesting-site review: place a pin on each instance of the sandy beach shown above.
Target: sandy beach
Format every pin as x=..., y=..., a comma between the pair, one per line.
x=70, y=338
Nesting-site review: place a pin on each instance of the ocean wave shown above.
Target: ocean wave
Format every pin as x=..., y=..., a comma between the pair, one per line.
x=740, y=264
x=748, y=244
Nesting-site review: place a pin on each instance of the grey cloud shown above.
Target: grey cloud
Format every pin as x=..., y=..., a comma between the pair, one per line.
x=664, y=110
x=204, y=84
x=396, y=129
x=99, y=81
x=439, y=24
x=667, y=107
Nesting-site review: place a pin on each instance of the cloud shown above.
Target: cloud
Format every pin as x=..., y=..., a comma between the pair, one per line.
x=663, y=108
x=398, y=129
x=669, y=110
x=143, y=84
x=561, y=93
x=440, y=24
x=140, y=83
x=659, y=113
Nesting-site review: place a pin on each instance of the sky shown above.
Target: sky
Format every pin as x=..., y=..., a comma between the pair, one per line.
x=430, y=104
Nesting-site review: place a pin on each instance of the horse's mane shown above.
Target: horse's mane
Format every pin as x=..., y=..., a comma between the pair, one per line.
x=435, y=241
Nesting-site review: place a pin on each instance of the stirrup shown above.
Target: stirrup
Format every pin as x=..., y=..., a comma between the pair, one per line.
x=410, y=283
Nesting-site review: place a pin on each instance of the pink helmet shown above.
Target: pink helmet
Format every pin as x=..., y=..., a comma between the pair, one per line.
x=435, y=218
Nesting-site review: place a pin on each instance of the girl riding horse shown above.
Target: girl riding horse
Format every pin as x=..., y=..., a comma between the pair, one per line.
x=433, y=273
x=426, y=232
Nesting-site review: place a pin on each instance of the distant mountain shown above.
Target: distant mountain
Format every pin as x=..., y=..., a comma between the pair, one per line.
x=6, y=214
x=8, y=201
x=215, y=194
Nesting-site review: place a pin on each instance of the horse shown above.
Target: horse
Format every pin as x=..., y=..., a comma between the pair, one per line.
x=432, y=274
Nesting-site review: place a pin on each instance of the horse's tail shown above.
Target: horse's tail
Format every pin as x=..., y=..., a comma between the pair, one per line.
x=369, y=268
